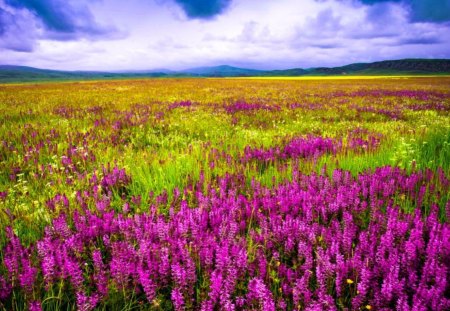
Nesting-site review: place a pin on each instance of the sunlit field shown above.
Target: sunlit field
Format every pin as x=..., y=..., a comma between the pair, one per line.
x=226, y=194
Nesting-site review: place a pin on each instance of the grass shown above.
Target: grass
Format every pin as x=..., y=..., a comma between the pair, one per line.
x=134, y=125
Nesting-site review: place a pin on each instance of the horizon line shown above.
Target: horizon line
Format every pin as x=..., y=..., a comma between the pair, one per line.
x=161, y=70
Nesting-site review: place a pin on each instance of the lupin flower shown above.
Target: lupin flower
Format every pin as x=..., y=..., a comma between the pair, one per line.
x=35, y=306
x=177, y=299
x=5, y=288
x=258, y=291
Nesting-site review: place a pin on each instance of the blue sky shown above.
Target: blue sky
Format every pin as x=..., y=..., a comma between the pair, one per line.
x=176, y=34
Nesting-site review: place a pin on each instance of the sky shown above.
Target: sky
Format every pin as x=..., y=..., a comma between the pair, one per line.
x=118, y=35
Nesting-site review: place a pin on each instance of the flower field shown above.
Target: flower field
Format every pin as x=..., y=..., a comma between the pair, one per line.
x=226, y=194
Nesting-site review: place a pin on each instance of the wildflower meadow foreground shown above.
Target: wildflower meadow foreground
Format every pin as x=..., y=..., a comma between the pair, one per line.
x=226, y=194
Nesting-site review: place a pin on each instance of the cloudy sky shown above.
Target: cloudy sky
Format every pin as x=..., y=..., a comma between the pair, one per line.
x=177, y=34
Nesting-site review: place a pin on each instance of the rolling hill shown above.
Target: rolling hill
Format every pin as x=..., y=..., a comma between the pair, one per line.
x=11, y=73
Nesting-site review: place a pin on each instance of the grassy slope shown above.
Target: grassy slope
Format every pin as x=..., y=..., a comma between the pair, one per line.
x=414, y=67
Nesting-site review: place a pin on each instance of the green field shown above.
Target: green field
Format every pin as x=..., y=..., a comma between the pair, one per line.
x=242, y=193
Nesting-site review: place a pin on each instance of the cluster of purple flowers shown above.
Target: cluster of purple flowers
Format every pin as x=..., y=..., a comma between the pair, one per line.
x=316, y=243
x=175, y=105
x=309, y=106
x=438, y=106
x=312, y=147
x=72, y=112
x=389, y=103
x=394, y=114
x=114, y=179
x=360, y=140
x=249, y=107
x=309, y=147
x=377, y=240
x=412, y=94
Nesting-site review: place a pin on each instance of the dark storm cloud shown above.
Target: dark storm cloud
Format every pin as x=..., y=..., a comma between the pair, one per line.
x=204, y=9
x=24, y=22
x=69, y=19
x=421, y=10
x=14, y=32
x=326, y=46
x=3, y=21
x=378, y=1
x=419, y=41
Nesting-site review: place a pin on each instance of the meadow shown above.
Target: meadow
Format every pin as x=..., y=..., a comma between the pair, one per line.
x=226, y=194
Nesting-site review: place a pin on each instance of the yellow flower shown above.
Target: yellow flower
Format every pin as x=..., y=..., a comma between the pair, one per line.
x=369, y=307
x=349, y=281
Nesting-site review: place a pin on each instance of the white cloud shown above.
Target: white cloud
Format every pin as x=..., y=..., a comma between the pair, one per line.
x=261, y=34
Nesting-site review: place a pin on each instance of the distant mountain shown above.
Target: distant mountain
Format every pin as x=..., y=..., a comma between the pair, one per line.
x=418, y=66
x=222, y=71
x=149, y=71
x=390, y=67
x=287, y=72
x=9, y=73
